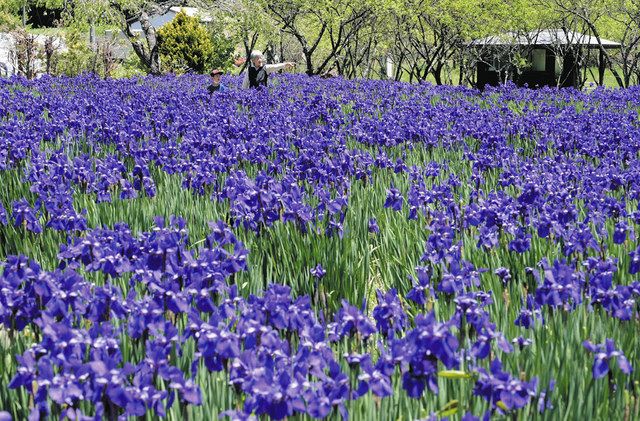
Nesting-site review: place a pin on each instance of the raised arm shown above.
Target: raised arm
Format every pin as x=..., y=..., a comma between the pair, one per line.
x=270, y=68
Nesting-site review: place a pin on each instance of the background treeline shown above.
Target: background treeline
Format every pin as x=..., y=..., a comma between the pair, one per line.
x=411, y=40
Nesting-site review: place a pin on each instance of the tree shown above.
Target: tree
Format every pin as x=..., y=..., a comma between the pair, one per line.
x=145, y=45
x=9, y=10
x=622, y=23
x=146, y=50
x=321, y=28
x=105, y=51
x=431, y=37
x=358, y=55
x=591, y=13
x=223, y=48
x=507, y=23
x=185, y=45
x=124, y=13
x=25, y=53
x=243, y=22
x=50, y=55
x=78, y=58
x=427, y=37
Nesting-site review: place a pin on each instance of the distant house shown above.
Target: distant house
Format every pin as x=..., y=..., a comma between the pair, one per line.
x=122, y=47
x=158, y=21
x=551, y=60
x=8, y=63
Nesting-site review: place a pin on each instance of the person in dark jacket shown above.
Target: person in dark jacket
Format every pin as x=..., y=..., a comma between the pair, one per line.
x=257, y=73
x=216, y=81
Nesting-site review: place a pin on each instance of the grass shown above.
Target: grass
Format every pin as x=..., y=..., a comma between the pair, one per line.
x=591, y=78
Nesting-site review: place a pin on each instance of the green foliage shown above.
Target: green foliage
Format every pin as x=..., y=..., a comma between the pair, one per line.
x=49, y=4
x=223, y=46
x=98, y=12
x=8, y=21
x=185, y=45
x=9, y=14
x=244, y=20
x=78, y=58
x=131, y=66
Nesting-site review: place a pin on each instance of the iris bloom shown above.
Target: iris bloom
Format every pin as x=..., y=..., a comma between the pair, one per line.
x=603, y=354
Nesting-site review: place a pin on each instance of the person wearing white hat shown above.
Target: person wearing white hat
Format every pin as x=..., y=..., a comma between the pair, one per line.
x=257, y=72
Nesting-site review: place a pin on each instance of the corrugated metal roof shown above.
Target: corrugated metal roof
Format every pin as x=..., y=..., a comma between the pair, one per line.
x=159, y=20
x=192, y=12
x=545, y=37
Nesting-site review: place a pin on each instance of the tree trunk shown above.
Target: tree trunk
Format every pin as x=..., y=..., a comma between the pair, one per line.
x=152, y=43
x=437, y=74
x=49, y=50
x=398, y=70
x=249, y=45
x=149, y=54
x=309, y=63
x=601, y=68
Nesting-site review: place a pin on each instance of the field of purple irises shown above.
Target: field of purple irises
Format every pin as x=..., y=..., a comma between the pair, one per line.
x=327, y=248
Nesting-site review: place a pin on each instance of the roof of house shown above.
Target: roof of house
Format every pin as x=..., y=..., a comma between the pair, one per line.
x=159, y=20
x=546, y=37
x=191, y=12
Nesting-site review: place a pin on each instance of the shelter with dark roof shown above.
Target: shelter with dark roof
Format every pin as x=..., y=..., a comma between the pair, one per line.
x=552, y=57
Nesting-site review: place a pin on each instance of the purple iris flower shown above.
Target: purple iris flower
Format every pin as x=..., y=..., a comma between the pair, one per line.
x=544, y=225
x=504, y=275
x=394, y=199
x=544, y=402
x=529, y=314
x=619, y=301
x=389, y=314
x=421, y=286
x=521, y=243
x=128, y=192
x=373, y=226
x=577, y=178
x=488, y=237
x=440, y=247
x=25, y=215
x=530, y=193
x=562, y=285
x=603, y=354
x=3, y=215
x=350, y=321
x=521, y=342
x=620, y=232
x=420, y=350
x=470, y=417
x=499, y=386
x=318, y=271
x=461, y=277
x=634, y=263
